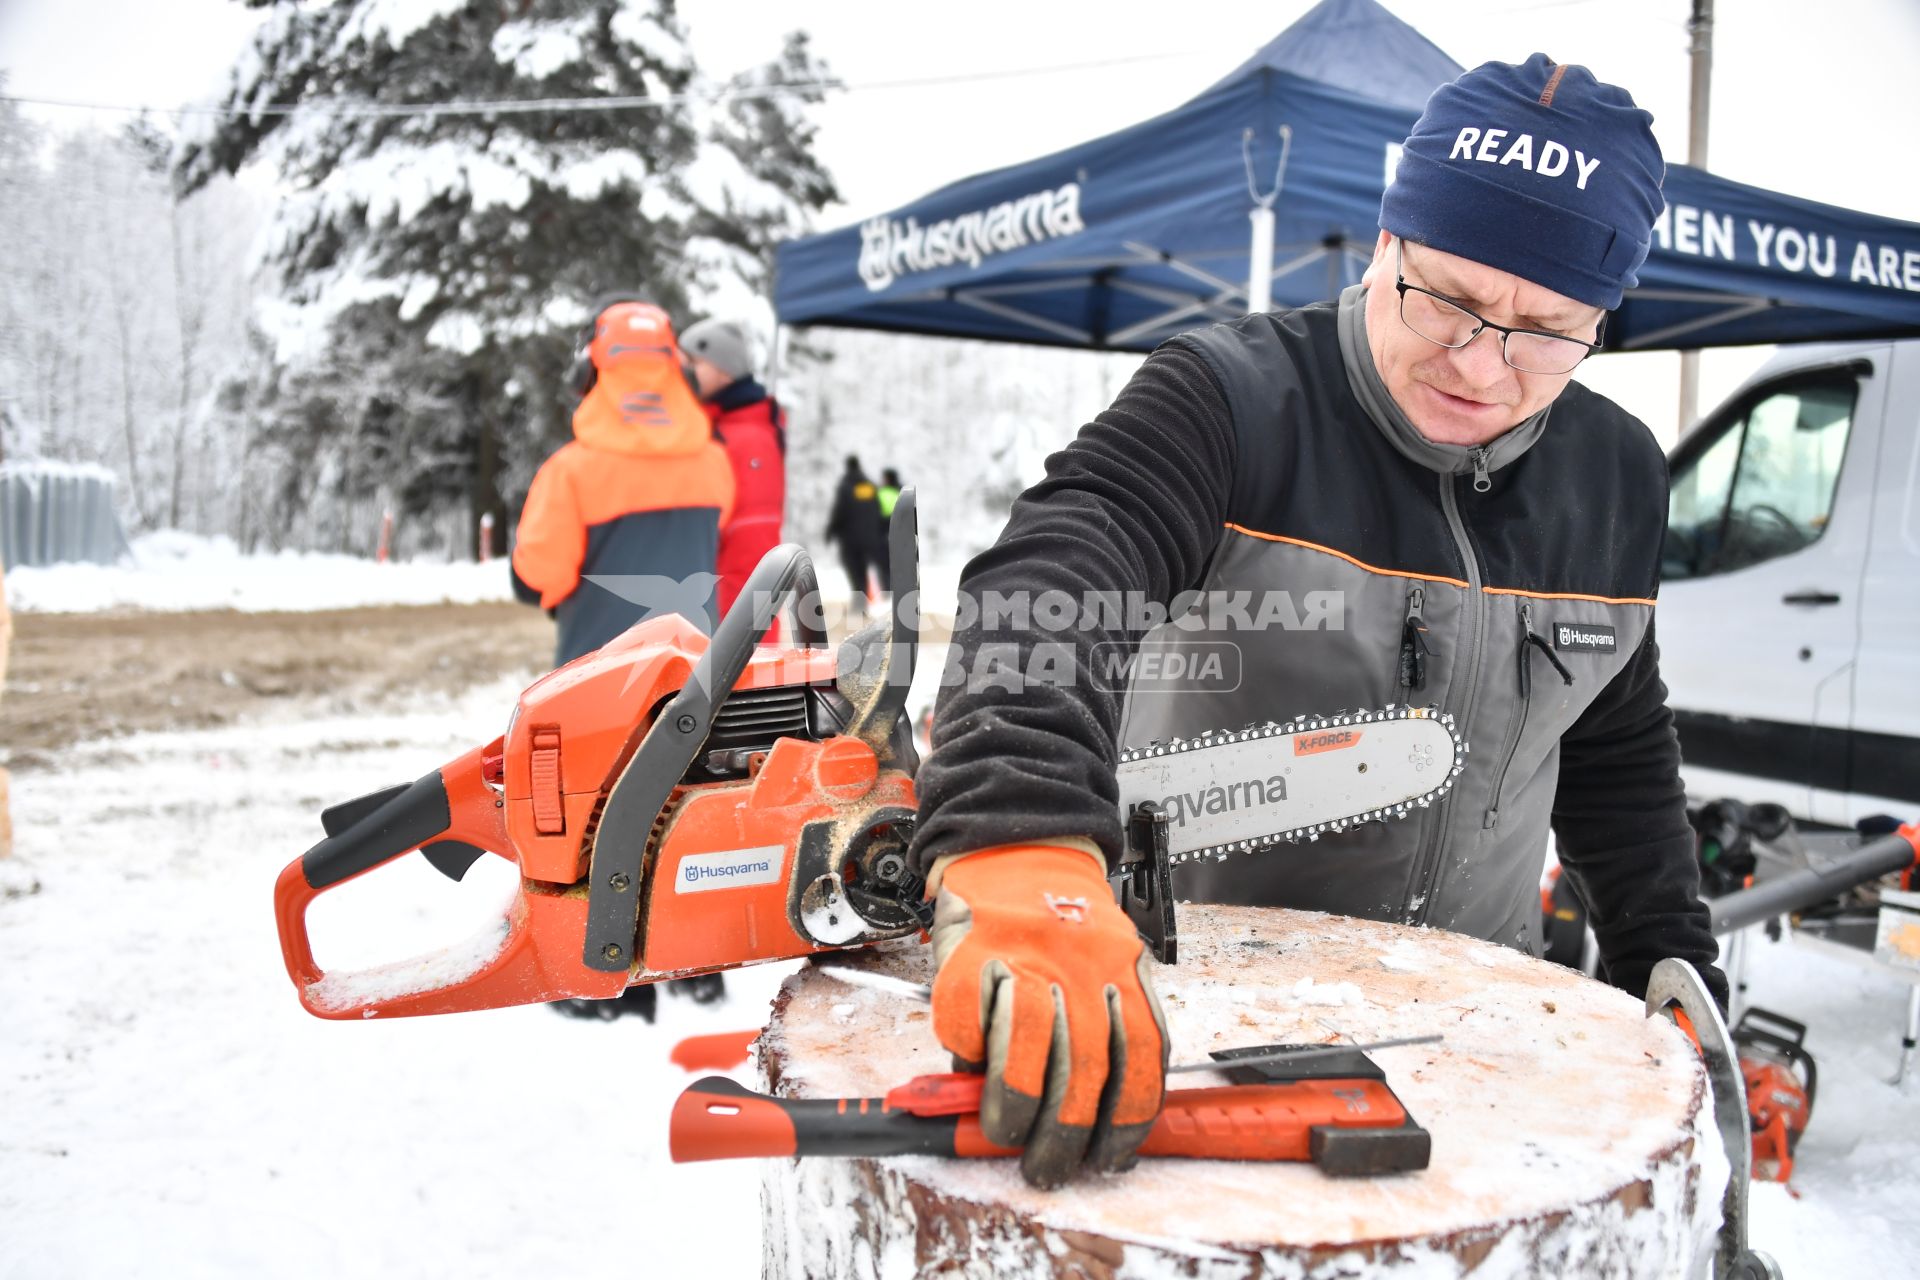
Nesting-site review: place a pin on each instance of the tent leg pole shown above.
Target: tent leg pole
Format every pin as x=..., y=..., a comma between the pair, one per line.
x=1260, y=268
x=1689, y=390
x=774, y=352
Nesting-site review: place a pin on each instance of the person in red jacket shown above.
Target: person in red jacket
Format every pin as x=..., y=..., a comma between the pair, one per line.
x=750, y=424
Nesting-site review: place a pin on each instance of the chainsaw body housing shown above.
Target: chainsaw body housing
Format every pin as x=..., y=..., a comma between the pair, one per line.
x=788, y=804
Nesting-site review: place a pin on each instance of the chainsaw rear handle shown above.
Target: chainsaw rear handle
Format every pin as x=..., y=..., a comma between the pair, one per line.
x=377, y=828
x=453, y=814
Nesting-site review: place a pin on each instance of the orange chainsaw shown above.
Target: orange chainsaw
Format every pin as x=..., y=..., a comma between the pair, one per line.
x=677, y=805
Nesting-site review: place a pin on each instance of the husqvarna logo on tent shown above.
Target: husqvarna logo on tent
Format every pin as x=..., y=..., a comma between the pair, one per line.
x=889, y=249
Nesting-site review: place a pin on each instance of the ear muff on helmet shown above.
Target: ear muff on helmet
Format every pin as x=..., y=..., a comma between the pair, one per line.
x=582, y=374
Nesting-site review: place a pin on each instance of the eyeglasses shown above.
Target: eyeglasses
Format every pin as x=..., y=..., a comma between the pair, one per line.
x=1446, y=323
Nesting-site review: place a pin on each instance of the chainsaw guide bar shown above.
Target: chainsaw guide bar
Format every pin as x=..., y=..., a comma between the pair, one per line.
x=1315, y=775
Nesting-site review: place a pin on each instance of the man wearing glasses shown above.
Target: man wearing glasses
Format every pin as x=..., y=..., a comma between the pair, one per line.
x=1399, y=497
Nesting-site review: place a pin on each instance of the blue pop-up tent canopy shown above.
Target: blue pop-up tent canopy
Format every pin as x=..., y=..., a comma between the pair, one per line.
x=1265, y=191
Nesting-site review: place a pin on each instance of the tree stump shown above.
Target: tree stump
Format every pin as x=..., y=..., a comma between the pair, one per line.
x=1572, y=1136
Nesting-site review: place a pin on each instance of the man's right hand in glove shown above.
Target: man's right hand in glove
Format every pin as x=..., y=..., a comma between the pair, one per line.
x=1044, y=983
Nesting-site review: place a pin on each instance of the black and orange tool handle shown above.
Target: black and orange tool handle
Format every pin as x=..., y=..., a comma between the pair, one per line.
x=718, y=1119
x=452, y=806
x=1893, y=853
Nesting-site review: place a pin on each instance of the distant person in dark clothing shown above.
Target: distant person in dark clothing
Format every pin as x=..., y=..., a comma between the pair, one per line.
x=624, y=520
x=752, y=428
x=854, y=523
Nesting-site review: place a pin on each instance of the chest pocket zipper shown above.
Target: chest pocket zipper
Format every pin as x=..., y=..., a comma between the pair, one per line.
x=1413, y=643
x=1529, y=641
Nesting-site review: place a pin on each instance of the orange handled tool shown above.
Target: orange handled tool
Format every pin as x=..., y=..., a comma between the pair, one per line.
x=1341, y=1115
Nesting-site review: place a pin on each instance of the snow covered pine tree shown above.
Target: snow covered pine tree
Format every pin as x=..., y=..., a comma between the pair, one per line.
x=445, y=230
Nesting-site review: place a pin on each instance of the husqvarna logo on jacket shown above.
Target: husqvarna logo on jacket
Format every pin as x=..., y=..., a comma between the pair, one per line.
x=1584, y=637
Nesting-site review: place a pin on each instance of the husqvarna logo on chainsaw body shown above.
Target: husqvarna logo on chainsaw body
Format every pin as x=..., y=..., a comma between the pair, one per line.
x=730, y=869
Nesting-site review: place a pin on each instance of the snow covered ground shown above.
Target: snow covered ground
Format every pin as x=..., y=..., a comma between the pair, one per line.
x=169, y=1109
x=181, y=572
x=175, y=571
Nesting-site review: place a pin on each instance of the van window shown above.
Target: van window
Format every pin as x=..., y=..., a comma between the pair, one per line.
x=1761, y=484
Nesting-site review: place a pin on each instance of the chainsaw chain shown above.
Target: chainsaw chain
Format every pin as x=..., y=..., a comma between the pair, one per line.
x=1306, y=724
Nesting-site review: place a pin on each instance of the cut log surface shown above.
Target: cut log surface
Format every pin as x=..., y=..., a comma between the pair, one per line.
x=1572, y=1136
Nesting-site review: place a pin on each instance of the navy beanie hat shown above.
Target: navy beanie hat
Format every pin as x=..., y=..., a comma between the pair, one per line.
x=1539, y=170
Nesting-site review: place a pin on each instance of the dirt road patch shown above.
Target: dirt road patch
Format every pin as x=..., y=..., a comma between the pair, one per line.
x=80, y=676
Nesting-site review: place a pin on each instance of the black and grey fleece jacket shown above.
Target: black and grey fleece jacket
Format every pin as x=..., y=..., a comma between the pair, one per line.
x=1257, y=478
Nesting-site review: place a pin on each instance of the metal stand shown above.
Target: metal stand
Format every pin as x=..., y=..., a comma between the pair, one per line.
x=1907, y=1041
x=1733, y=960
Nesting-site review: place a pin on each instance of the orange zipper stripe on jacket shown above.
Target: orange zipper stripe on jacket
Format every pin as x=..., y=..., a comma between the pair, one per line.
x=1430, y=577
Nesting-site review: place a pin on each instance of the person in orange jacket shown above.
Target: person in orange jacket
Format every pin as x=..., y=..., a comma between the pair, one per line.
x=624, y=520
x=753, y=429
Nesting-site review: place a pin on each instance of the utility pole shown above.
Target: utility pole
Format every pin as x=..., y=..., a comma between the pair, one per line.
x=1700, y=30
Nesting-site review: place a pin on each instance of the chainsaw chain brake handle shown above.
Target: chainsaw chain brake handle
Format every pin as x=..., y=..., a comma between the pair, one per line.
x=875, y=666
x=1676, y=984
x=452, y=816
x=660, y=752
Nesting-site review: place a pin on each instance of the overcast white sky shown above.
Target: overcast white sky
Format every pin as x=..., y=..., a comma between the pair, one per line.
x=1817, y=100
x=1814, y=99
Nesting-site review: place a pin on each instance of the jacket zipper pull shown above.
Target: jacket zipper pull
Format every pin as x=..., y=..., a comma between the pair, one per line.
x=1538, y=642
x=1413, y=642
x=1526, y=635
x=1481, y=480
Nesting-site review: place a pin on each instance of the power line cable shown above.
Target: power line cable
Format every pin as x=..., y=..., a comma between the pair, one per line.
x=527, y=106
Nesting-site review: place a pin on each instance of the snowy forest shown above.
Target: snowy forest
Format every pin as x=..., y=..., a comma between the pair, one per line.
x=278, y=318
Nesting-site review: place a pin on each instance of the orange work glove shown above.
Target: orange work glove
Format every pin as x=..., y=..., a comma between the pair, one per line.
x=1043, y=982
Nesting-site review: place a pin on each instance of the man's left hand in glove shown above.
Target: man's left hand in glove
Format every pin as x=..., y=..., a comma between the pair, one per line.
x=1045, y=984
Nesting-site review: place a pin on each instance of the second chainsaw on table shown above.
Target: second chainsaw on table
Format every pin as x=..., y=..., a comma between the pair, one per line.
x=678, y=805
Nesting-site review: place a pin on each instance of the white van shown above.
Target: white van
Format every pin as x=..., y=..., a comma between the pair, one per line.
x=1789, y=618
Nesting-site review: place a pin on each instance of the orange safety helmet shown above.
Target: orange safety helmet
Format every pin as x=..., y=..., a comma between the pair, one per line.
x=600, y=345
x=629, y=355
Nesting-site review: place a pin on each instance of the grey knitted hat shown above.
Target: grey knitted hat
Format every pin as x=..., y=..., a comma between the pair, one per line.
x=722, y=343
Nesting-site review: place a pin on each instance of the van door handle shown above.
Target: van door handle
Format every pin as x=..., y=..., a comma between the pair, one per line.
x=1810, y=597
